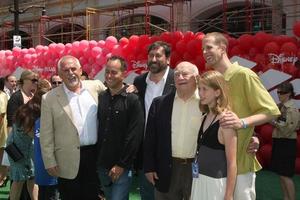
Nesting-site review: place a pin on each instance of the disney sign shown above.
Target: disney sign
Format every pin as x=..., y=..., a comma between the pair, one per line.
x=280, y=59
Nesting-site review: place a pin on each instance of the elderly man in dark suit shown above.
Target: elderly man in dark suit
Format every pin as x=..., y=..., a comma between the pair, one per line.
x=171, y=136
x=158, y=81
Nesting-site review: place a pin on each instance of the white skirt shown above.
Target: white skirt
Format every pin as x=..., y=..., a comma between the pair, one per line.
x=208, y=188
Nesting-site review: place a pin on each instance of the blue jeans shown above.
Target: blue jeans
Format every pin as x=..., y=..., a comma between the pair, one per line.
x=118, y=190
x=146, y=188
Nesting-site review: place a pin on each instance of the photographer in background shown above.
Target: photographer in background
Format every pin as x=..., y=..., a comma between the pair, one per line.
x=284, y=138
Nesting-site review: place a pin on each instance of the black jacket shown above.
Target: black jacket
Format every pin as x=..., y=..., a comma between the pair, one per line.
x=157, y=142
x=15, y=101
x=141, y=85
x=120, y=129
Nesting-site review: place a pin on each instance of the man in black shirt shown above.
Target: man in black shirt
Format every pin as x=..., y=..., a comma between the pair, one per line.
x=120, y=131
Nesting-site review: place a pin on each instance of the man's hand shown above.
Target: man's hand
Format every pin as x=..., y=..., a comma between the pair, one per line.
x=115, y=172
x=53, y=171
x=253, y=145
x=131, y=89
x=151, y=176
x=230, y=120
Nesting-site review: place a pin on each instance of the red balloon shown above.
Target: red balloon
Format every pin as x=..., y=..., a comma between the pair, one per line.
x=261, y=39
x=246, y=42
x=260, y=59
x=176, y=36
x=166, y=37
x=296, y=29
x=187, y=57
x=271, y=47
x=289, y=48
x=189, y=35
x=266, y=133
x=175, y=58
x=200, y=62
x=181, y=47
x=236, y=51
x=123, y=41
x=289, y=68
x=133, y=40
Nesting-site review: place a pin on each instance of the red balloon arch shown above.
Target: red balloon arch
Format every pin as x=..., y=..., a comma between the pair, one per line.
x=278, y=52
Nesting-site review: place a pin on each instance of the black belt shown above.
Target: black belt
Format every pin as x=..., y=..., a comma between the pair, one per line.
x=87, y=147
x=183, y=161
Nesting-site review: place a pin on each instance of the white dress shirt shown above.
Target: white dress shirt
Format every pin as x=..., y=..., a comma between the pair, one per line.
x=154, y=90
x=84, y=111
x=186, y=121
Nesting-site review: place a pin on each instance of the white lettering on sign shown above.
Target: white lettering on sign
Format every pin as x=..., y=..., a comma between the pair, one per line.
x=280, y=59
x=139, y=64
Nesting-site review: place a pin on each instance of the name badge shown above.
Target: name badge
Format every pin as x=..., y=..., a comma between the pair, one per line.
x=195, y=170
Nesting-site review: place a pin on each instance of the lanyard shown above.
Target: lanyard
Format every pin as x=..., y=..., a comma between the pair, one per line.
x=200, y=135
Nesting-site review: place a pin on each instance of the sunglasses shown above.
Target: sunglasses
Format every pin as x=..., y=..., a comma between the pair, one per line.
x=281, y=92
x=56, y=82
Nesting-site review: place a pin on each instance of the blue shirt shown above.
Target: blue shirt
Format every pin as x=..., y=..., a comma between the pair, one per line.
x=41, y=175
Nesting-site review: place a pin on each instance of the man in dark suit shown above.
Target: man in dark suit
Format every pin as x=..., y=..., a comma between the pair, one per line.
x=171, y=136
x=158, y=81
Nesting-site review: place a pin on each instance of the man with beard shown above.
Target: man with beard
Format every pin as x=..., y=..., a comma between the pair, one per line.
x=68, y=133
x=171, y=136
x=158, y=81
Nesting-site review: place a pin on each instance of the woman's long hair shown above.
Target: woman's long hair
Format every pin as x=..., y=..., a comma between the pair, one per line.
x=27, y=114
x=216, y=81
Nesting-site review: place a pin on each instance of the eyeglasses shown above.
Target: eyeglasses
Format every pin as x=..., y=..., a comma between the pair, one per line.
x=56, y=82
x=183, y=74
x=282, y=92
x=34, y=80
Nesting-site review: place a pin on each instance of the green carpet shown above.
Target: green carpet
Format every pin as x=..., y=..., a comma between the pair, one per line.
x=267, y=187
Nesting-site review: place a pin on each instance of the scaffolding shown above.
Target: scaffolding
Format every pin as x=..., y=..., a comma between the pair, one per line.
x=69, y=31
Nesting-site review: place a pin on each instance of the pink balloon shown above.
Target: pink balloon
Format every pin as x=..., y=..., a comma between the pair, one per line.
x=39, y=48
x=108, y=55
x=75, y=46
x=31, y=50
x=100, y=59
x=27, y=58
x=52, y=47
x=101, y=43
x=60, y=47
x=83, y=60
x=93, y=44
x=96, y=51
x=8, y=53
x=110, y=42
x=16, y=51
x=84, y=44
x=117, y=50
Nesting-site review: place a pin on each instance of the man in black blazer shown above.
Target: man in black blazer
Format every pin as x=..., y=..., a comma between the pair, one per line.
x=171, y=136
x=158, y=81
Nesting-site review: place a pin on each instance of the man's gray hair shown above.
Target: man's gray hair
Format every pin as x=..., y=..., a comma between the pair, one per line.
x=64, y=58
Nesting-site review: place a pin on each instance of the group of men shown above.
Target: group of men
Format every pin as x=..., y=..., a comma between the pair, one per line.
x=90, y=130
